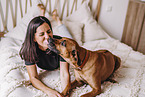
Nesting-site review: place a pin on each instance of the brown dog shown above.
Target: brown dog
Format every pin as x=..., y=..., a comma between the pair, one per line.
x=92, y=67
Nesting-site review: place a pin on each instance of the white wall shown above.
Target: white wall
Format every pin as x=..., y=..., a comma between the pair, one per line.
x=112, y=17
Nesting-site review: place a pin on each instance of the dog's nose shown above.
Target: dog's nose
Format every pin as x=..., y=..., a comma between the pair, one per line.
x=51, y=45
x=50, y=40
x=63, y=43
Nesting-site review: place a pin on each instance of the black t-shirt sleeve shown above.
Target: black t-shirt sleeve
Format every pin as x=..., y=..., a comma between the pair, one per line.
x=29, y=63
x=61, y=59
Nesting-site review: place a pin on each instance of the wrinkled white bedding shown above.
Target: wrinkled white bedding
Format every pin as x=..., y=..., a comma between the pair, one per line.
x=15, y=81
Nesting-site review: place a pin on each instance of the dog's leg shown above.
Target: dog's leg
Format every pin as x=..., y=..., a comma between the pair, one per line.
x=111, y=80
x=117, y=65
x=76, y=83
x=117, y=62
x=78, y=80
x=95, y=83
x=93, y=93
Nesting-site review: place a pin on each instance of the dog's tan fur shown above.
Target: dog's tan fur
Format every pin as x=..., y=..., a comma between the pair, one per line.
x=99, y=66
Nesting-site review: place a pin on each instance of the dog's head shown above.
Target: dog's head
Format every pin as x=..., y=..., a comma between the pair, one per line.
x=65, y=47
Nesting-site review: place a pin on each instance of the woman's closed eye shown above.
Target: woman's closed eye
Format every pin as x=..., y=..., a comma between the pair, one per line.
x=49, y=31
x=41, y=34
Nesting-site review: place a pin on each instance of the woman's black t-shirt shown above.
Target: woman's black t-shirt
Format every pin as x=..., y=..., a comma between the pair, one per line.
x=47, y=61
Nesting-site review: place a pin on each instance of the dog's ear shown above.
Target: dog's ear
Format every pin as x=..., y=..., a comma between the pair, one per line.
x=63, y=43
x=57, y=37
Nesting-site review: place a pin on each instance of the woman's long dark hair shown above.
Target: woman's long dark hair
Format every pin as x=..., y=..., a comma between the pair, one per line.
x=28, y=50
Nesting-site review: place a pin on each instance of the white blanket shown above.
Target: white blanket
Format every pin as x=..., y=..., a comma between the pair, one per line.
x=14, y=79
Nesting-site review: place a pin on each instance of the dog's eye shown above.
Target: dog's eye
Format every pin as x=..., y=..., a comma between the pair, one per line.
x=73, y=53
x=63, y=43
x=75, y=59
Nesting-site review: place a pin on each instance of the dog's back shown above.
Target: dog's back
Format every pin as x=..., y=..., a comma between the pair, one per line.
x=117, y=59
x=107, y=62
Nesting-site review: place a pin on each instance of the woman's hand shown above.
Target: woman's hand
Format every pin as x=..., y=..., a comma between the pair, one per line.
x=53, y=93
x=32, y=71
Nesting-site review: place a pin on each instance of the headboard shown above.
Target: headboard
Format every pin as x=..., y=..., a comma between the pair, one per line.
x=11, y=11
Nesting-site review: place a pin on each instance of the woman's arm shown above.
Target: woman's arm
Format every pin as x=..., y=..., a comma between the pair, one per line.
x=65, y=77
x=32, y=71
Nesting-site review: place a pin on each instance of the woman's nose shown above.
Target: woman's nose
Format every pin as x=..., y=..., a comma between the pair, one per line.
x=46, y=36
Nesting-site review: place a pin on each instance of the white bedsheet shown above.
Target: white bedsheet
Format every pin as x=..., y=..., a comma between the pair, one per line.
x=14, y=79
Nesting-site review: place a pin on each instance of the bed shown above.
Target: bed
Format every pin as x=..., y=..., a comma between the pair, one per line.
x=80, y=17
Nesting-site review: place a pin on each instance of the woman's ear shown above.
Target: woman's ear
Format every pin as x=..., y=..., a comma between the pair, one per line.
x=34, y=40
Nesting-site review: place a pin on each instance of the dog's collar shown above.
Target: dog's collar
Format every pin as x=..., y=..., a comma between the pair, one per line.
x=83, y=62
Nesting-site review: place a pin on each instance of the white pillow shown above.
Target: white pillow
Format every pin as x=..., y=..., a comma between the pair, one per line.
x=92, y=30
x=75, y=29
x=82, y=13
x=19, y=31
x=33, y=12
x=62, y=31
x=73, y=22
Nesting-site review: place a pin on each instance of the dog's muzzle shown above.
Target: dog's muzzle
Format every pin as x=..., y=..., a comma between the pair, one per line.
x=51, y=45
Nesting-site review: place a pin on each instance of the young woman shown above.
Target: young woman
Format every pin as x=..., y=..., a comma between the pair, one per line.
x=35, y=52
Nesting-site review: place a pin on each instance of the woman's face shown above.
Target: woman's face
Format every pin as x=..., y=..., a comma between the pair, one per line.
x=43, y=32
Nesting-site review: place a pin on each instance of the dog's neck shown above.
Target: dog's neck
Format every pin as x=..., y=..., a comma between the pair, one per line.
x=82, y=58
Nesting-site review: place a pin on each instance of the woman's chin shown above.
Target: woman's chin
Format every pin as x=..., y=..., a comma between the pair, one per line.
x=43, y=47
x=46, y=47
